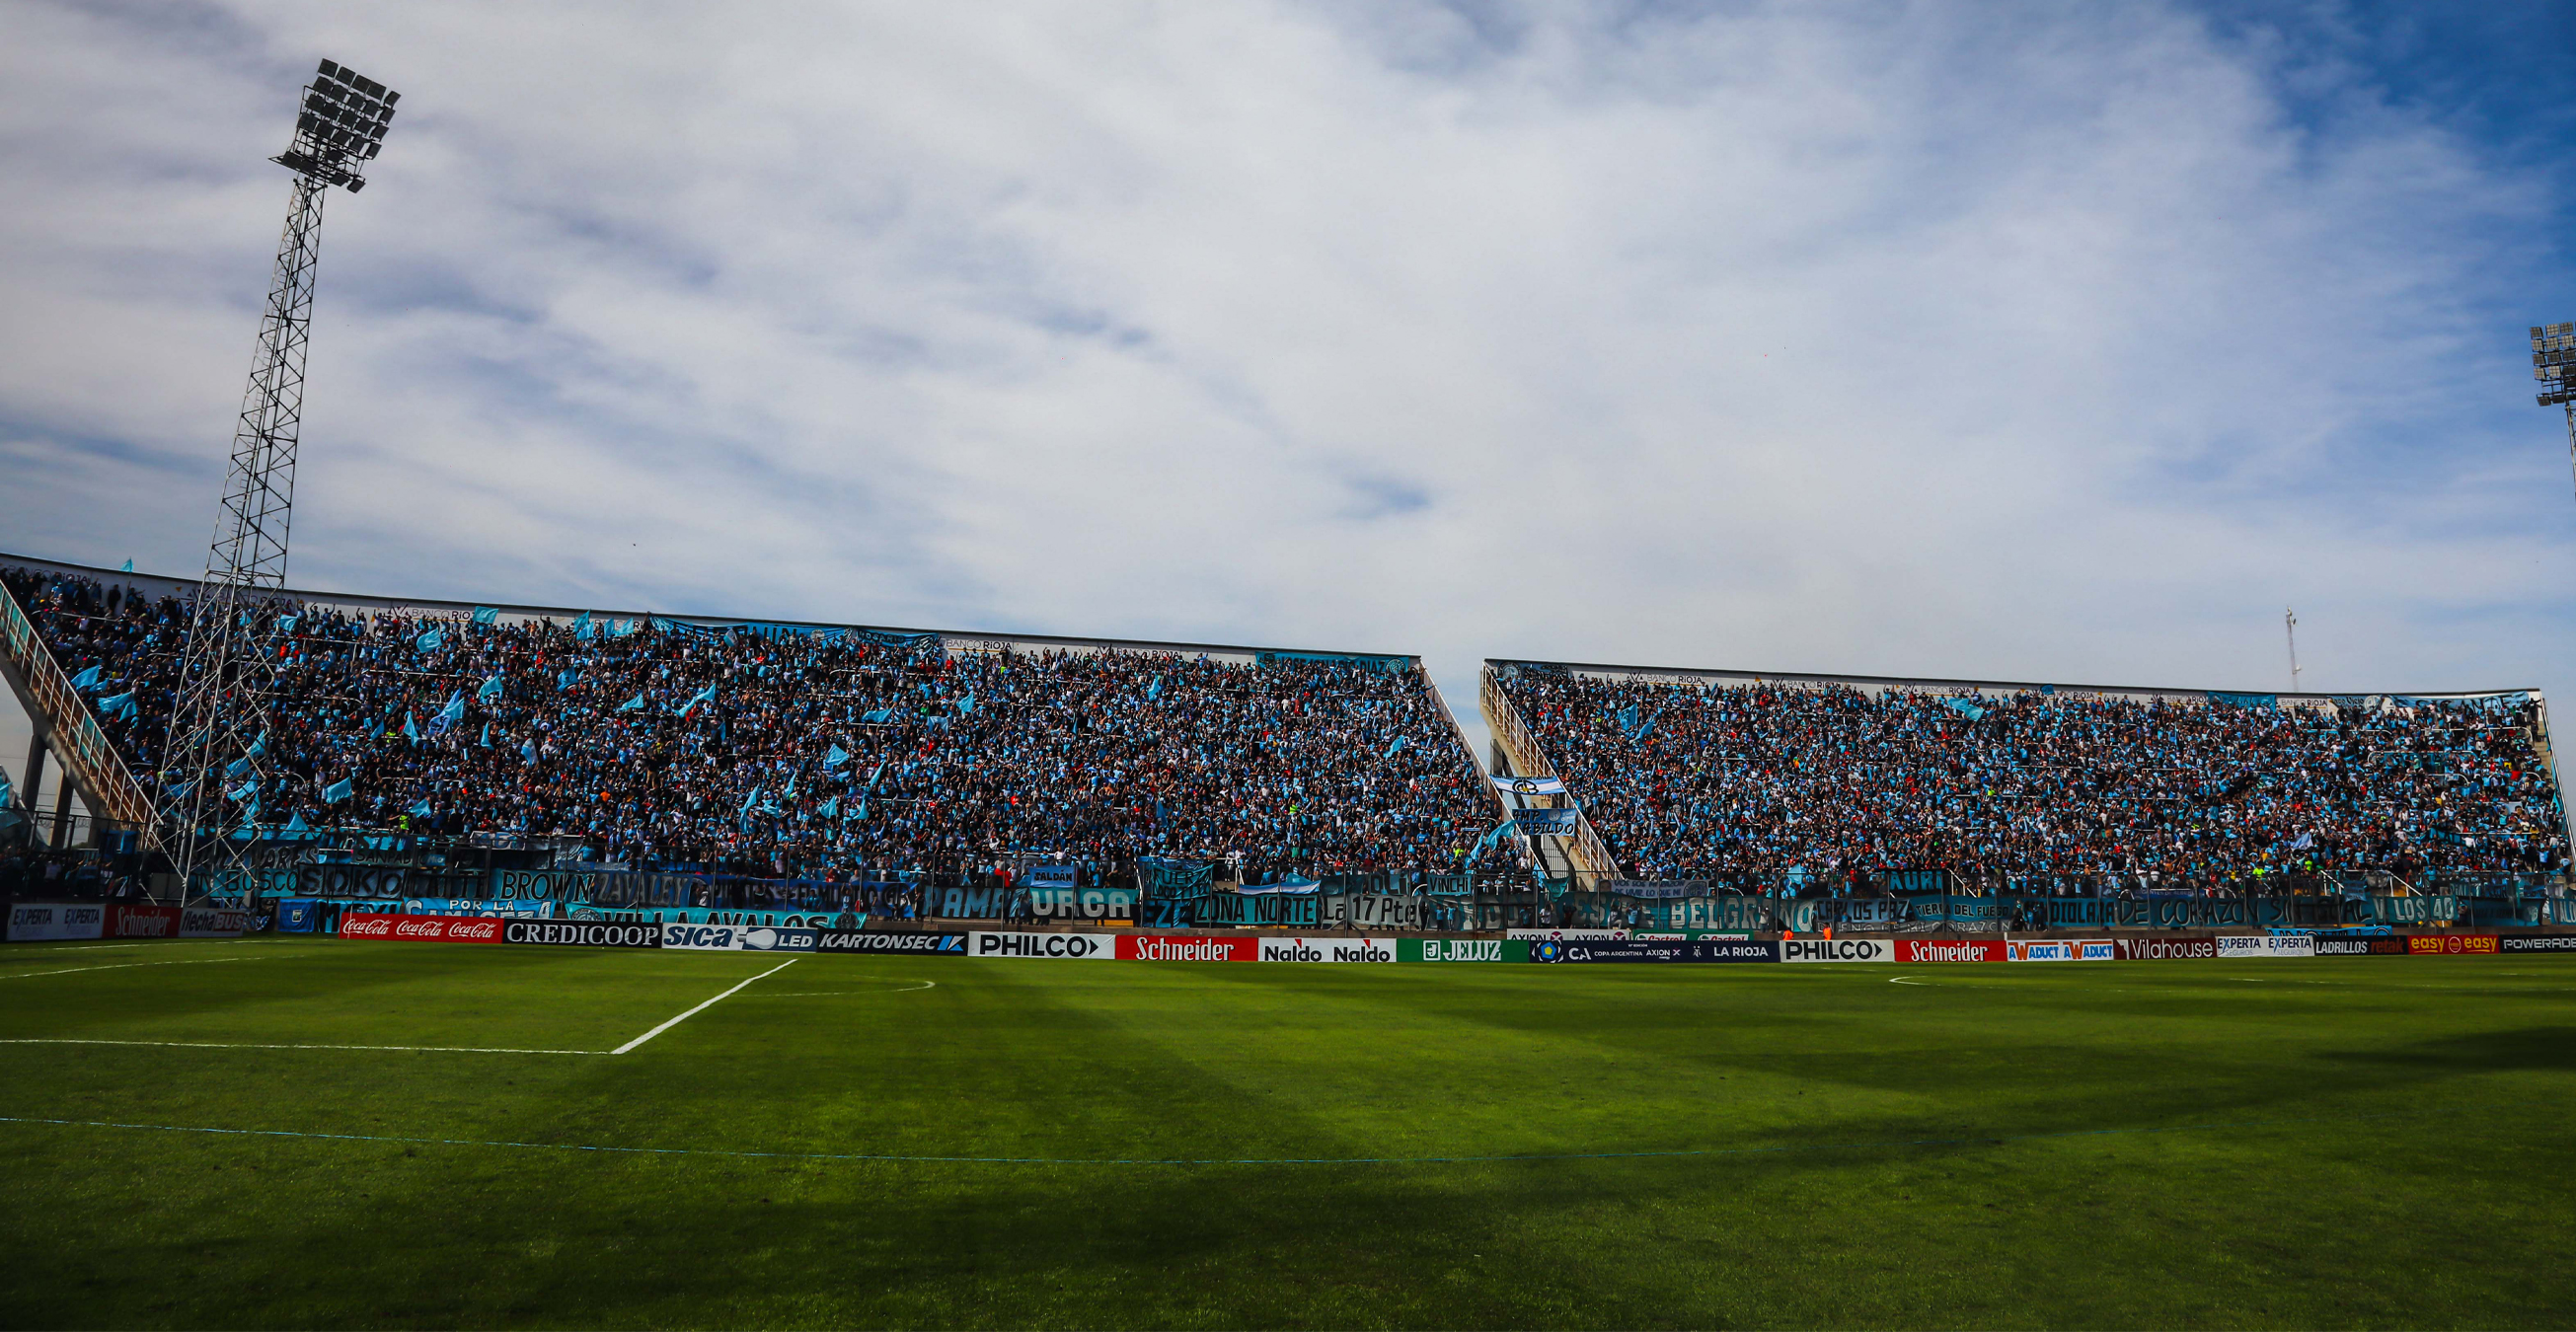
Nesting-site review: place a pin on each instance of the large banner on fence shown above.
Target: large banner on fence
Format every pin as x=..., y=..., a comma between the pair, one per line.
x=1070, y=903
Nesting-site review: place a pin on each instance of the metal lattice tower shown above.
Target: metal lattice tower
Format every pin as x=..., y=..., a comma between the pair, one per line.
x=215, y=771
x=2553, y=363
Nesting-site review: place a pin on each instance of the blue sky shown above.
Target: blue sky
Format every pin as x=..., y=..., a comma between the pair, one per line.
x=2046, y=342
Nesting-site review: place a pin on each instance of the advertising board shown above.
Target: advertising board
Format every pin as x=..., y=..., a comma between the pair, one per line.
x=2167, y=948
x=581, y=933
x=421, y=929
x=55, y=920
x=2385, y=945
x=1078, y=947
x=1565, y=934
x=1647, y=950
x=888, y=941
x=2240, y=947
x=1328, y=950
x=213, y=922
x=1837, y=950
x=2538, y=943
x=739, y=938
x=1949, y=950
x=2450, y=945
x=2059, y=950
x=1462, y=950
x=141, y=922
x=1188, y=948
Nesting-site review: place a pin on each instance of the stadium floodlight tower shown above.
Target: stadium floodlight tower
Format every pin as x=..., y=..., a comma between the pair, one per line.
x=2553, y=363
x=215, y=768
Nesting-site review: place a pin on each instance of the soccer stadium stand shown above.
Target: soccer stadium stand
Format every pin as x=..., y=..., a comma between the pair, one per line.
x=791, y=750
x=1767, y=783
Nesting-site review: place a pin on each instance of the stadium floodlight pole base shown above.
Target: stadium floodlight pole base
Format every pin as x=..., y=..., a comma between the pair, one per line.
x=216, y=767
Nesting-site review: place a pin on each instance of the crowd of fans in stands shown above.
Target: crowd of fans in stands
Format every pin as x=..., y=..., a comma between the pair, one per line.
x=1684, y=781
x=799, y=753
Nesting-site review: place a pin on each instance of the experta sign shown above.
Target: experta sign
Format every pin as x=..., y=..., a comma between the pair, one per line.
x=1837, y=950
x=2241, y=946
x=1077, y=947
x=581, y=934
x=422, y=929
x=55, y=920
x=1188, y=948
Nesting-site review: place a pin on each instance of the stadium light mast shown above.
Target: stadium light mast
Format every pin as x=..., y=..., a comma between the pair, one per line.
x=2553, y=363
x=2290, y=627
x=215, y=768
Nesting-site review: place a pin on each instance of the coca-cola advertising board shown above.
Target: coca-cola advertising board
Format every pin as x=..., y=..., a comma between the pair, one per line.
x=423, y=929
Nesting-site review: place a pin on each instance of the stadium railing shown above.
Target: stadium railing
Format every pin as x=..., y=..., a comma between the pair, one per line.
x=65, y=725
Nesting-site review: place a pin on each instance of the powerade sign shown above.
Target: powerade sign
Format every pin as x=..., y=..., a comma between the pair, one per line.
x=2538, y=943
x=881, y=941
x=1646, y=950
x=1837, y=950
x=738, y=938
x=1075, y=947
x=581, y=934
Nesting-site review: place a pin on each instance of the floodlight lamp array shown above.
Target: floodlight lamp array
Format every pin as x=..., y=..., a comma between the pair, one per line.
x=2553, y=362
x=340, y=126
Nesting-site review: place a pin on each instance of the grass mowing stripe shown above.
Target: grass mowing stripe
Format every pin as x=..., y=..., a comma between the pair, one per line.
x=120, y=966
x=1204, y=1161
x=701, y=1008
x=262, y=1045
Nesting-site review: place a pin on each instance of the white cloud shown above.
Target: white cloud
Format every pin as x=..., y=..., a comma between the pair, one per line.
x=2037, y=344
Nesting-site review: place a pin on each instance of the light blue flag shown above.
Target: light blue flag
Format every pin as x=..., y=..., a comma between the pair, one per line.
x=830, y=809
x=489, y=690
x=236, y=768
x=127, y=567
x=862, y=811
x=835, y=757
x=583, y=629
x=877, y=715
x=87, y=679
x=623, y=628
x=296, y=824
x=242, y=792
x=1155, y=690
x=631, y=704
x=486, y=741
x=448, y=716
x=286, y=623
x=429, y=641
x=411, y=729
x=564, y=679
x=109, y=707
x=747, y=802
x=1399, y=744
x=421, y=808
x=528, y=751
x=486, y=615
x=791, y=786
x=966, y=704
x=706, y=695
x=259, y=746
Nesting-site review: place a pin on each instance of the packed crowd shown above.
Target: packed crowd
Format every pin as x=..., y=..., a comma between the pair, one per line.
x=791, y=752
x=1684, y=781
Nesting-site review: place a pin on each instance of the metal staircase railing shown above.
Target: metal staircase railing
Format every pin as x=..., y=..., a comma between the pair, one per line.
x=96, y=770
x=1593, y=863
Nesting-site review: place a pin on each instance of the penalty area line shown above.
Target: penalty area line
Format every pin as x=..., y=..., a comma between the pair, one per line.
x=263, y=1045
x=702, y=1007
x=736, y=1154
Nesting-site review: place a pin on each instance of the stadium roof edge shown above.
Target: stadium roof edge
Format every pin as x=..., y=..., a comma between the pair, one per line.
x=1819, y=677
x=160, y=583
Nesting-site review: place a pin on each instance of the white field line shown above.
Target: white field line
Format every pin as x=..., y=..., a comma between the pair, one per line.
x=120, y=966
x=259, y=1045
x=896, y=985
x=101, y=948
x=702, y=1007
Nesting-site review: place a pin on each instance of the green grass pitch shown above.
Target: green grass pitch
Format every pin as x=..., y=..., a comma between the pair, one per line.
x=2328, y=1143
